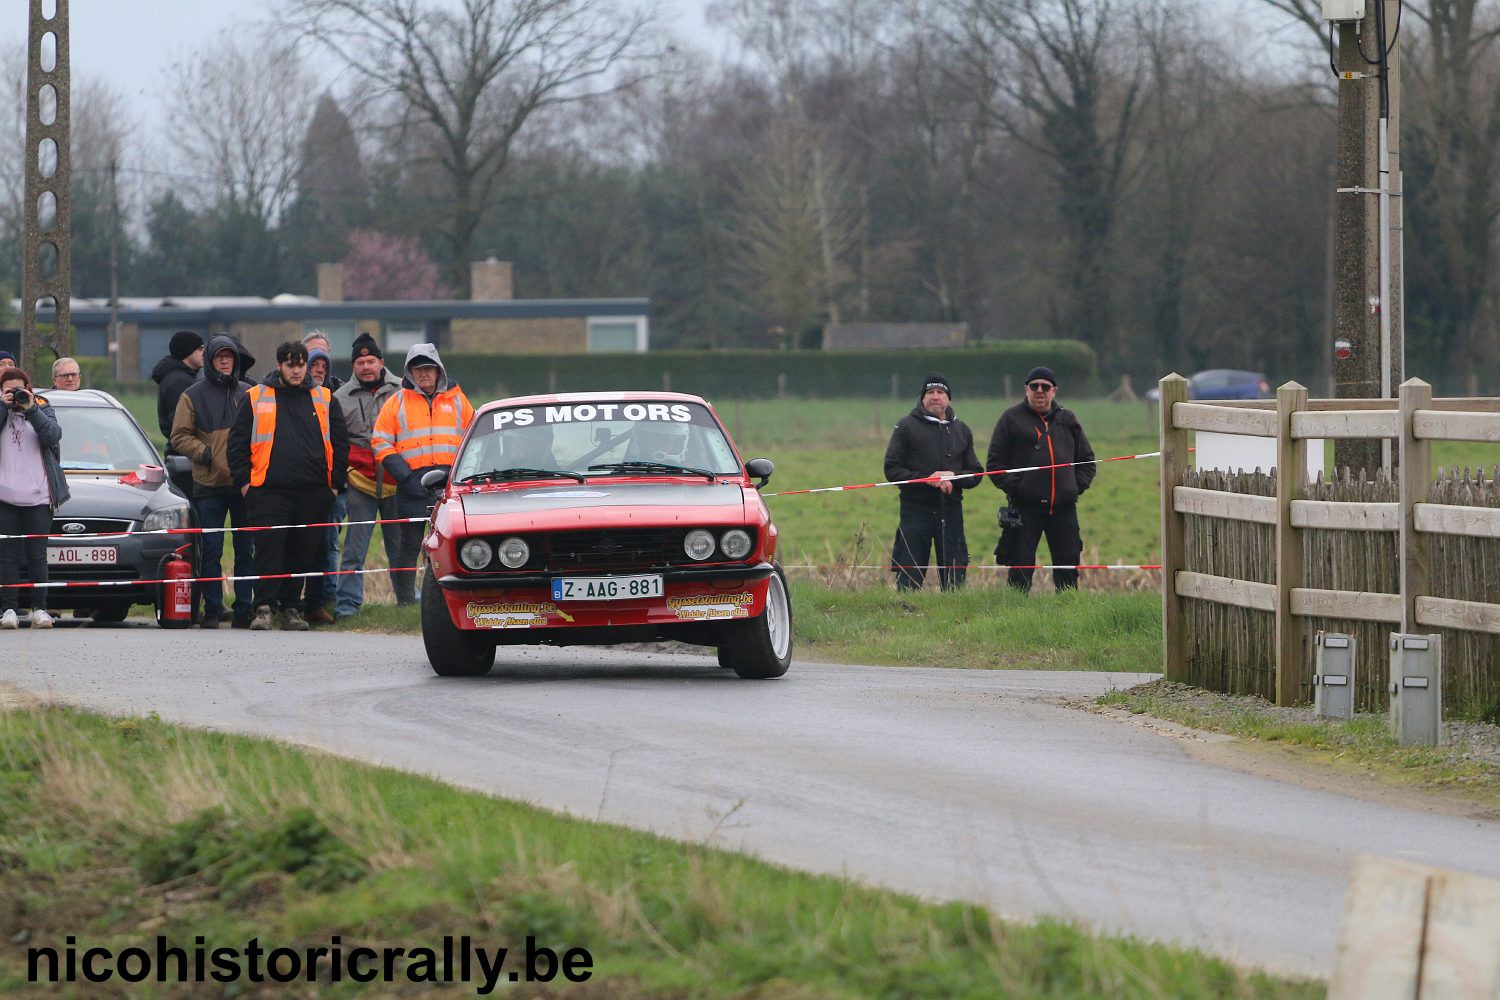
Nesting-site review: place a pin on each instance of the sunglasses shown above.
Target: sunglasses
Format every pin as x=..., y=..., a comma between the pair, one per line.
x=1040, y=386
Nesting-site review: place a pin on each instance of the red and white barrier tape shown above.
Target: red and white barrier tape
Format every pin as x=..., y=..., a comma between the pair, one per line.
x=208, y=531
x=56, y=584
x=950, y=476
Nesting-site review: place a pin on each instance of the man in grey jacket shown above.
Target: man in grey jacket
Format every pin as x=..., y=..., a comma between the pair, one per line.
x=370, y=494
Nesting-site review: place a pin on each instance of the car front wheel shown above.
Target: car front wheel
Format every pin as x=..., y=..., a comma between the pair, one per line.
x=760, y=647
x=452, y=651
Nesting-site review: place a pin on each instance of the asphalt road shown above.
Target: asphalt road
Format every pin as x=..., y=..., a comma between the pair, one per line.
x=946, y=783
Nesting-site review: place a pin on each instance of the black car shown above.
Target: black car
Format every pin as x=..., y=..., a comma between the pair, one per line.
x=102, y=447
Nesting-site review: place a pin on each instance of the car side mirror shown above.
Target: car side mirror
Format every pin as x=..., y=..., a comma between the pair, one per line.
x=179, y=466
x=435, y=479
x=760, y=468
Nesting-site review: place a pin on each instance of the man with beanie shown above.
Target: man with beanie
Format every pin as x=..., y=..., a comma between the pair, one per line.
x=930, y=442
x=177, y=370
x=371, y=494
x=419, y=429
x=288, y=453
x=200, y=430
x=1038, y=432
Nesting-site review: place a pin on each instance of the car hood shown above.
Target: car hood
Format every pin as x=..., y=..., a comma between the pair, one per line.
x=107, y=496
x=560, y=506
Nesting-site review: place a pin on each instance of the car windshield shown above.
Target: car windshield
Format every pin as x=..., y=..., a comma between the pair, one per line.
x=101, y=439
x=638, y=437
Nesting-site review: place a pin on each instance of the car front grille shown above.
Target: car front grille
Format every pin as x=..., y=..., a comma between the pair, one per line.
x=624, y=548
x=91, y=526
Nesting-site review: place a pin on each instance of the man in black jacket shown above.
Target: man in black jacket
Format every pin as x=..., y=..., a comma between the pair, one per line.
x=930, y=441
x=289, y=456
x=1038, y=432
x=176, y=370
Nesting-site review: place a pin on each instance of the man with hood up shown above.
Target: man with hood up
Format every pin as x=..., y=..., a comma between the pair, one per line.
x=288, y=454
x=176, y=370
x=418, y=430
x=930, y=441
x=200, y=430
x=371, y=493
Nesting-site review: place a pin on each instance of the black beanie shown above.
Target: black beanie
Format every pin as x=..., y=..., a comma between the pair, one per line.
x=1041, y=372
x=933, y=380
x=183, y=343
x=365, y=345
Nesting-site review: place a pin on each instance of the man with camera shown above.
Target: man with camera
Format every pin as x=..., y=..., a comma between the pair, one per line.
x=929, y=441
x=1038, y=434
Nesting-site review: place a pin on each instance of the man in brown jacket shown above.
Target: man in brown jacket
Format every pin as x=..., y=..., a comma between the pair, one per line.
x=200, y=430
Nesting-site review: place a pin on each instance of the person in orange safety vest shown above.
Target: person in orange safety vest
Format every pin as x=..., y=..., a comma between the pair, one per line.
x=418, y=430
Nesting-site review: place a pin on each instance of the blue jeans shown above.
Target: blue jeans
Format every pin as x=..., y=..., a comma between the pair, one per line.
x=351, y=587
x=211, y=513
x=331, y=560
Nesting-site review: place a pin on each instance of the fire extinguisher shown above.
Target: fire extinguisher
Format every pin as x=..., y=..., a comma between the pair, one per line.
x=175, y=608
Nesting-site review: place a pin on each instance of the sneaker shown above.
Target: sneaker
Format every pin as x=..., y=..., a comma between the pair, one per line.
x=319, y=616
x=243, y=617
x=262, y=622
x=292, y=620
x=10, y=620
x=40, y=619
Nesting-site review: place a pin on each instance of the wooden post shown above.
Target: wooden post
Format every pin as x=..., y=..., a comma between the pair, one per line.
x=1415, y=458
x=1291, y=477
x=1174, y=462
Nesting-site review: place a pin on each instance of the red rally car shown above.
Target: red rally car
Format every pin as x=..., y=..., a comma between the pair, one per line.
x=596, y=518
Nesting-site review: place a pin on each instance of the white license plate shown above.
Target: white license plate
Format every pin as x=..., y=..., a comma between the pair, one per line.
x=606, y=588
x=83, y=555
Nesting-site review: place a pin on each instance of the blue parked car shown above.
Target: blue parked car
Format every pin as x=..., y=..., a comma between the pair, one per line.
x=1223, y=383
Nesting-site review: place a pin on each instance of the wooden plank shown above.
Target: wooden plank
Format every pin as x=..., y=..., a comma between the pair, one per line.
x=1324, y=405
x=1248, y=404
x=1436, y=425
x=1223, y=419
x=1336, y=515
x=1356, y=606
x=1223, y=590
x=1176, y=459
x=1449, y=519
x=1414, y=456
x=1291, y=478
x=1346, y=424
x=1468, y=404
x=1231, y=506
x=1413, y=930
x=1470, y=616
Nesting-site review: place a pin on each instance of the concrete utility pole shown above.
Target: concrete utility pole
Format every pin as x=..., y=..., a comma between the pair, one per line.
x=46, y=266
x=1368, y=339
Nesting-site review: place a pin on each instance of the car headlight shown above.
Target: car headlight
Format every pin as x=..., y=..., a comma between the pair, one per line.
x=514, y=552
x=166, y=518
x=698, y=544
x=476, y=553
x=736, y=544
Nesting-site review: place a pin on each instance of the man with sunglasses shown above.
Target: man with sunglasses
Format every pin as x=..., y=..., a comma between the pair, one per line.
x=1038, y=434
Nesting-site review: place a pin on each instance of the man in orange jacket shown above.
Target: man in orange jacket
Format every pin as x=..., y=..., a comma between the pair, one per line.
x=418, y=430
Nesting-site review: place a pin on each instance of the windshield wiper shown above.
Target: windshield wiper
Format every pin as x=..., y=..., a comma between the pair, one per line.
x=652, y=467
x=498, y=475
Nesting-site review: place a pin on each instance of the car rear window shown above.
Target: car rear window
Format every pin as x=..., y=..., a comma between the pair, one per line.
x=574, y=436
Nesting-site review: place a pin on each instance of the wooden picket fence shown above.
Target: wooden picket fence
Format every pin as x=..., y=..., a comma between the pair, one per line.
x=1254, y=567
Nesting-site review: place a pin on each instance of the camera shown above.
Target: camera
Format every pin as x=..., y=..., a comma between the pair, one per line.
x=1009, y=518
x=20, y=398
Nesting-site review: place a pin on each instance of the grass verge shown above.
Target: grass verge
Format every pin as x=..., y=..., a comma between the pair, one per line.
x=977, y=628
x=122, y=831
x=1467, y=767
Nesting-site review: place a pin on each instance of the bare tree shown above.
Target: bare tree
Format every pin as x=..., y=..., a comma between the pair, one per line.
x=240, y=109
x=1065, y=93
x=474, y=73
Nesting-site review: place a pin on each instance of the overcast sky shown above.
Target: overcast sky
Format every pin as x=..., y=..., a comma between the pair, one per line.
x=130, y=43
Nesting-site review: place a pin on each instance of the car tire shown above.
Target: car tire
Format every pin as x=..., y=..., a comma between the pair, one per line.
x=452, y=651
x=111, y=613
x=761, y=647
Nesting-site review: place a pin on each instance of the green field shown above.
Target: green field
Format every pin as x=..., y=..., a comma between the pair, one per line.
x=114, y=833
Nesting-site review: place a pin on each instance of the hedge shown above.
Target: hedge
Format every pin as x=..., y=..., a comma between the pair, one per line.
x=981, y=371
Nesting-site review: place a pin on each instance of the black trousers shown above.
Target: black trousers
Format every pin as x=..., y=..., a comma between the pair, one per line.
x=15, y=520
x=287, y=550
x=1017, y=546
x=918, y=532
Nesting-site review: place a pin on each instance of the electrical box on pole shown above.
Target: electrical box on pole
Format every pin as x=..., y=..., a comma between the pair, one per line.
x=1343, y=10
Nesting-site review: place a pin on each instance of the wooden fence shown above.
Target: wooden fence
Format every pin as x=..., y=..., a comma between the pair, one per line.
x=1254, y=564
